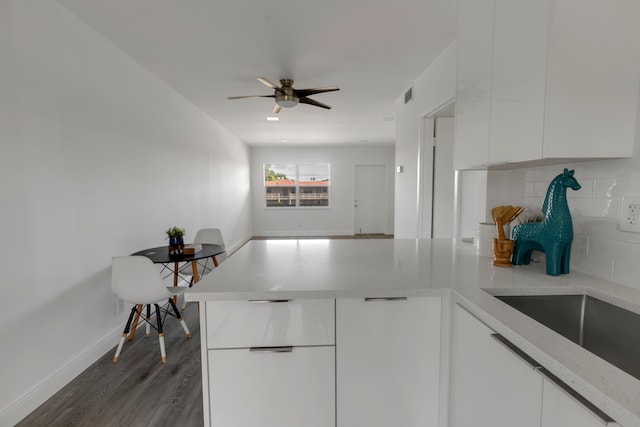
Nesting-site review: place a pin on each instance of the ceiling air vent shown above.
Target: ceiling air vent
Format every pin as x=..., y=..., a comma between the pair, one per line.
x=408, y=95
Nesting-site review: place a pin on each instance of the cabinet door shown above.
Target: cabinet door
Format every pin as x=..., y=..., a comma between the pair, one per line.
x=518, y=80
x=560, y=410
x=473, y=88
x=387, y=362
x=490, y=387
x=593, y=79
x=284, y=389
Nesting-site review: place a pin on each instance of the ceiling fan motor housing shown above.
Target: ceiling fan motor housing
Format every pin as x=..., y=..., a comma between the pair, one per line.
x=286, y=95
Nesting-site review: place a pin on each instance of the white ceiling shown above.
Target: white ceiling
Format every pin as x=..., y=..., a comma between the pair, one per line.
x=208, y=50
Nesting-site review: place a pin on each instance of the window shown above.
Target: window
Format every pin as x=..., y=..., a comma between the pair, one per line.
x=296, y=185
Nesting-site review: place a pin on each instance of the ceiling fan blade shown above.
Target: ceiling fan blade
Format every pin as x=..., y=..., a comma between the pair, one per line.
x=276, y=109
x=314, y=90
x=251, y=96
x=313, y=102
x=268, y=83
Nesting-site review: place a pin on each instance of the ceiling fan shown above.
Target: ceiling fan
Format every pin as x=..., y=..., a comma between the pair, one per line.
x=286, y=96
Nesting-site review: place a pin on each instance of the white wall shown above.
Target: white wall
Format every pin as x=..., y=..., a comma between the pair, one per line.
x=338, y=219
x=434, y=88
x=472, y=202
x=98, y=159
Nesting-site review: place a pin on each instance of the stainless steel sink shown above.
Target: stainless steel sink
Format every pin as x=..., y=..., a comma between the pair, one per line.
x=610, y=332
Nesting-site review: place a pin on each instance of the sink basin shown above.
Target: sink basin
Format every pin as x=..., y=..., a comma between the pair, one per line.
x=608, y=331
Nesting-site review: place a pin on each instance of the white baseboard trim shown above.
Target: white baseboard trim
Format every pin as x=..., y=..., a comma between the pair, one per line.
x=23, y=405
x=237, y=245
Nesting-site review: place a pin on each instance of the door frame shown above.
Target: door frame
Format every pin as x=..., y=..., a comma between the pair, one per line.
x=424, y=187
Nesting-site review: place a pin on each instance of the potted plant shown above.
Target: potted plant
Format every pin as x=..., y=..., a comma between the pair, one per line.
x=176, y=240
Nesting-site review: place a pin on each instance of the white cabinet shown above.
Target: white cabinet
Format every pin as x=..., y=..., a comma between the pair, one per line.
x=493, y=383
x=473, y=95
x=272, y=387
x=561, y=408
x=387, y=361
x=490, y=387
x=373, y=362
x=269, y=363
x=563, y=80
x=518, y=79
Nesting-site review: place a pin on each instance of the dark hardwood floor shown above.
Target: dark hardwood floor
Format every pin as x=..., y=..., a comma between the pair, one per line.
x=139, y=390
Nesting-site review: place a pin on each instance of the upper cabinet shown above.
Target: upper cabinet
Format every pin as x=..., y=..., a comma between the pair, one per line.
x=473, y=94
x=545, y=79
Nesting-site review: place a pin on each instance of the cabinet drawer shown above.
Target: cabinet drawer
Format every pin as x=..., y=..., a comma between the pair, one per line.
x=242, y=324
x=285, y=389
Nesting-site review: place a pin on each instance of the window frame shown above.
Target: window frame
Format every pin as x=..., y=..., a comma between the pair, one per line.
x=297, y=189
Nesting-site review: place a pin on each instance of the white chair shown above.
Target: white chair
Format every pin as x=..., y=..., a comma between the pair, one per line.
x=136, y=280
x=211, y=236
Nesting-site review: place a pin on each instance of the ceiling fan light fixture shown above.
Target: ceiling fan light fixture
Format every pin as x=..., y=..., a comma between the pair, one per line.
x=286, y=101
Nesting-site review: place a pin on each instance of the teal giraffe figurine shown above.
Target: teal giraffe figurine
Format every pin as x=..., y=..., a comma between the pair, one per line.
x=554, y=234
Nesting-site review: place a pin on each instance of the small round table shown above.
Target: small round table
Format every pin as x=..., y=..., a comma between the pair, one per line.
x=160, y=255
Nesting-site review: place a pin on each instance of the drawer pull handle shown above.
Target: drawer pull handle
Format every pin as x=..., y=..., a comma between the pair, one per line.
x=286, y=349
x=268, y=301
x=516, y=351
x=385, y=299
x=576, y=396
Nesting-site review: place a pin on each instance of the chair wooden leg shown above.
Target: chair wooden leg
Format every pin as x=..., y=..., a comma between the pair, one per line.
x=134, y=326
x=124, y=334
x=194, y=279
x=163, y=353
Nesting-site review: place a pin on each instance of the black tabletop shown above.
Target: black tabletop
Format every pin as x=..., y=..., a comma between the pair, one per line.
x=160, y=255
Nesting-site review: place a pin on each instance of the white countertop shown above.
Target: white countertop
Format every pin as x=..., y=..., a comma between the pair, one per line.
x=325, y=268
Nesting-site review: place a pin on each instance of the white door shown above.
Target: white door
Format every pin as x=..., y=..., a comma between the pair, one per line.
x=370, y=199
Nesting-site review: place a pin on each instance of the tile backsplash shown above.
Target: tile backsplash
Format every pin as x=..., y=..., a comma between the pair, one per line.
x=599, y=248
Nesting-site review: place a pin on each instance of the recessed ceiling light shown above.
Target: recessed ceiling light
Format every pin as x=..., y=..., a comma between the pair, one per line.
x=388, y=119
x=273, y=118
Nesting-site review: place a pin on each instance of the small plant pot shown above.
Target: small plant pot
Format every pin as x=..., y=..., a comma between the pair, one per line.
x=502, y=250
x=176, y=245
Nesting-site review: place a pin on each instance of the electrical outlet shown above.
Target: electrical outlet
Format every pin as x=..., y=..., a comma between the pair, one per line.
x=629, y=219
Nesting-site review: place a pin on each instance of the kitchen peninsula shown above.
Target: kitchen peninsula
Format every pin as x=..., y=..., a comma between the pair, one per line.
x=337, y=305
